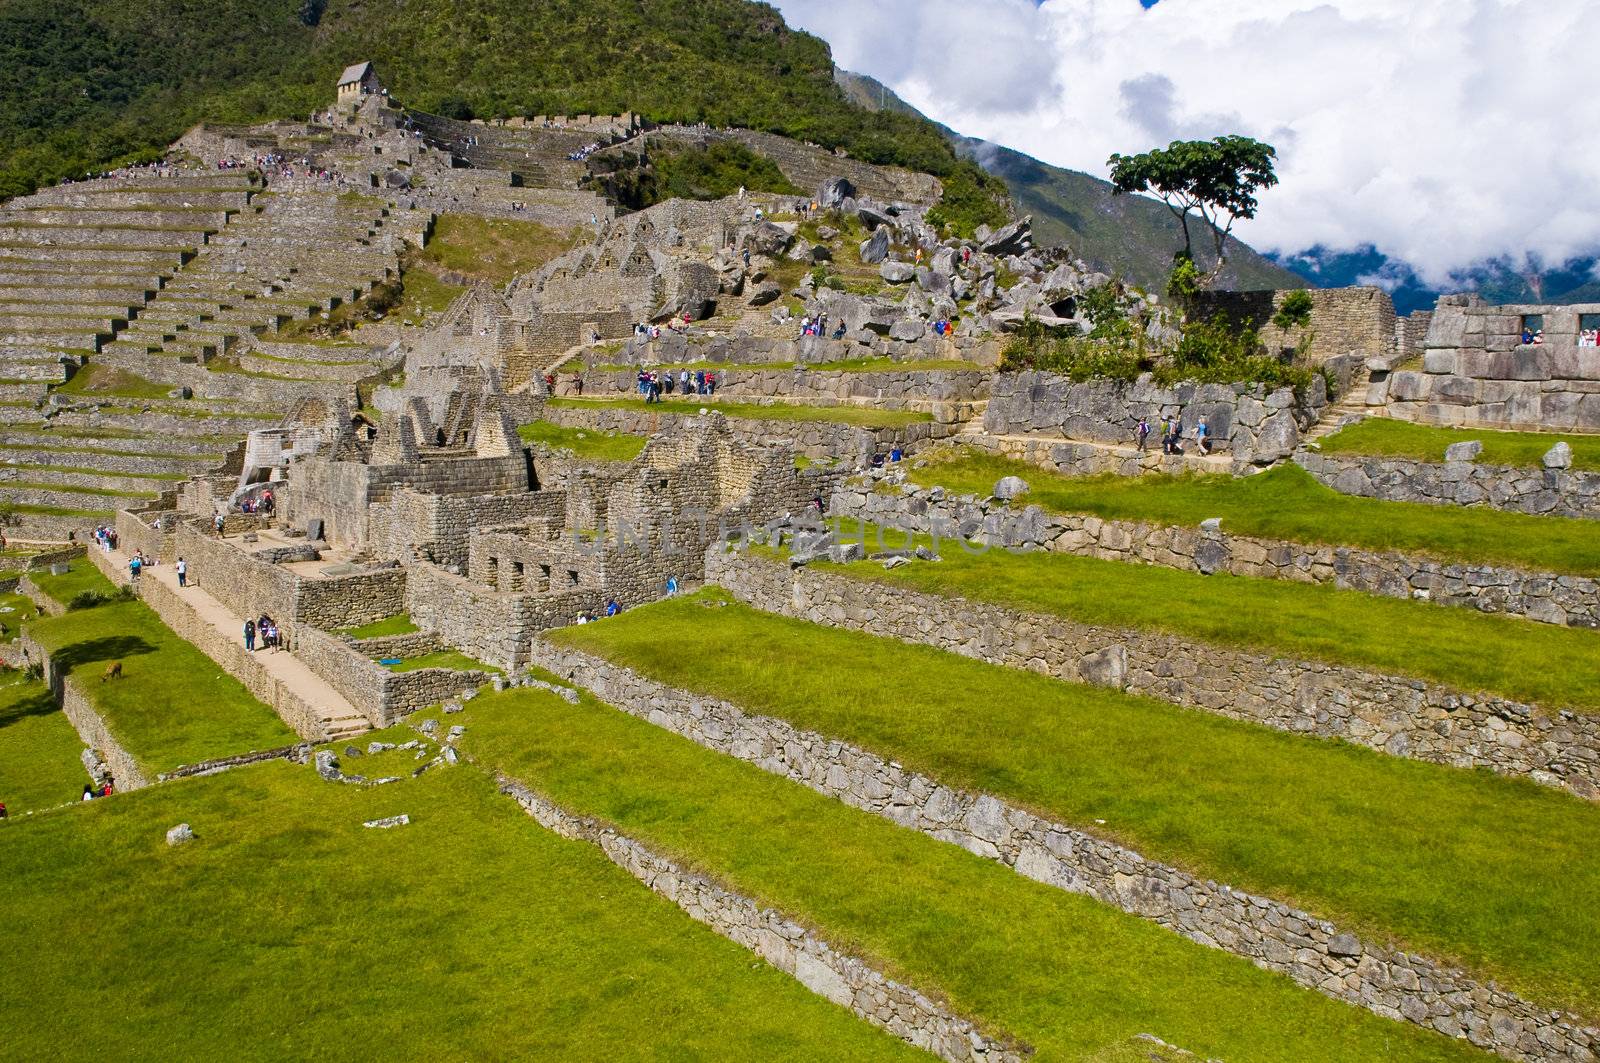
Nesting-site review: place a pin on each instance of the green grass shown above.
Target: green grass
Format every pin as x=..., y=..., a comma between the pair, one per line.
x=173, y=704
x=517, y=945
x=84, y=470
x=1395, y=848
x=1064, y=973
x=585, y=443
x=21, y=609
x=39, y=766
x=74, y=489
x=399, y=624
x=860, y=416
x=425, y=294
x=58, y=511
x=493, y=249
x=452, y=659
x=1288, y=503
x=1386, y=437
x=98, y=379
x=1551, y=667
x=81, y=576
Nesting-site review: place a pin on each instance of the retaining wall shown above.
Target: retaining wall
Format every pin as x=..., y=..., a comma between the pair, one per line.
x=1542, y=596
x=800, y=953
x=1272, y=935
x=1395, y=714
x=1543, y=492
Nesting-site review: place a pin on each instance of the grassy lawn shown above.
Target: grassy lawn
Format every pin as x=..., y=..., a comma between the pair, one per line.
x=861, y=416
x=81, y=576
x=15, y=609
x=1287, y=503
x=452, y=659
x=425, y=294
x=58, y=511
x=98, y=379
x=1386, y=437
x=493, y=249
x=173, y=704
x=399, y=624
x=1551, y=667
x=584, y=443
x=519, y=945
x=1323, y=824
x=1062, y=972
x=39, y=765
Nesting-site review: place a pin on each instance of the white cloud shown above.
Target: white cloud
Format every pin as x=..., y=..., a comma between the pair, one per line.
x=1443, y=131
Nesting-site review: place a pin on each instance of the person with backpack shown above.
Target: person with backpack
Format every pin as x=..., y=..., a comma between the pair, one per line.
x=249, y=636
x=135, y=563
x=183, y=572
x=1143, y=431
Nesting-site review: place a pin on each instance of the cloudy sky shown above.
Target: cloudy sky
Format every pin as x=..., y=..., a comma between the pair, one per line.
x=1443, y=131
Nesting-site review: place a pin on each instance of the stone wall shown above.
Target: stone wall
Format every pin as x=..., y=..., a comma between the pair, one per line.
x=1477, y=372
x=1541, y=596
x=1544, y=492
x=1273, y=935
x=484, y=623
x=818, y=440
x=1394, y=714
x=949, y=394
x=1098, y=459
x=1244, y=420
x=1343, y=320
x=75, y=703
x=802, y=954
x=382, y=696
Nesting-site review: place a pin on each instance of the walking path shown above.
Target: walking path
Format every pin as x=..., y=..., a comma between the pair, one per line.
x=338, y=718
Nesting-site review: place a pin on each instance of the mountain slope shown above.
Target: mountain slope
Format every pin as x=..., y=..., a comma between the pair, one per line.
x=1497, y=280
x=84, y=83
x=1132, y=236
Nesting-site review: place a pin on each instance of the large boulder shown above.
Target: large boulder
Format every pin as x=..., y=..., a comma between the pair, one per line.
x=1277, y=439
x=1009, y=487
x=897, y=272
x=1467, y=450
x=764, y=294
x=1013, y=239
x=1558, y=457
x=932, y=282
x=875, y=248
x=908, y=329
x=834, y=191
x=767, y=239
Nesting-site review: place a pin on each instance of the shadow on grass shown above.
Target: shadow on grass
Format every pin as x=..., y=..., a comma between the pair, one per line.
x=110, y=648
x=39, y=703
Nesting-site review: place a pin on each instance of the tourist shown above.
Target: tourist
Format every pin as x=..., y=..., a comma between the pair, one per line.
x=666, y=381
x=699, y=381
x=672, y=586
x=683, y=382
x=1202, y=436
x=135, y=563
x=583, y=618
x=838, y=333
x=577, y=383
x=612, y=608
x=1527, y=335
x=88, y=793
x=711, y=383
x=3, y=813
x=105, y=788
x=218, y=523
x=895, y=454
x=249, y=636
x=183, y=572
x=1143, y=431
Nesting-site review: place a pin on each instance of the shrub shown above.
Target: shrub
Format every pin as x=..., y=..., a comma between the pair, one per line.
x=972, y=197
x=1219, y=351
x=1295, y=311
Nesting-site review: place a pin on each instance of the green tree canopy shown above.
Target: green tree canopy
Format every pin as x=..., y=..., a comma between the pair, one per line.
x=1216, y=179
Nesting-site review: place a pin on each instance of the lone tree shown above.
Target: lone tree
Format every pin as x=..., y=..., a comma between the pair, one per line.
x=1216, y=179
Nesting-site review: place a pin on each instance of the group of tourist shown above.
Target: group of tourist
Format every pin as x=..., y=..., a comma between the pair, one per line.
x=1172, y=434
x=1589, y=337
x=1532, y=337
x=584, y=152
x=261, y=503
x=106, y=537
x=137, y=564
x=819, y=327
x=263, y=630
x=612, y=608
x=92, y=792
x=653, y=384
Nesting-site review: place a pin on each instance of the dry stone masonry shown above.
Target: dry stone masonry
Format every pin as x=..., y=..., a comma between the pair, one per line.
x=1548, y=492
x=1274, y=936
x=1397, y=715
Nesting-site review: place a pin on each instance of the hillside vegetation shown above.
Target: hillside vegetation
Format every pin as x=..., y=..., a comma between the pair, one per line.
x=85, y=83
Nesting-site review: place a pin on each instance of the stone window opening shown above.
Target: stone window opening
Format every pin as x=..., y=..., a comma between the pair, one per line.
x=544, y=577
x=517, y=575
x=572, y=576
x=1589, y=330
x=492, y=573
x=1532, y=329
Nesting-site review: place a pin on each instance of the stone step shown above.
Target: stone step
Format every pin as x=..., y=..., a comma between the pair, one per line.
x=65, y=339
x=144, y=257
x=94, y=311
x=65, y=275
x=25, y=238
x=107, y=325
x=193, y=219
x=76, y=292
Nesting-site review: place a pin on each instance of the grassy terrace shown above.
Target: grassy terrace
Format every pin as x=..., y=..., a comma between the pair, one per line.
x=843, y=365
x=860, y=416
x=550, y=950
x=494, y=249
x=1385, y=437
x=584, y=443
x=1323, y=824
x=59, y=511
x=39, y=766
x=74, y=489
x=173, y=704
x=99, y=379
x=1064, y=973
x=81, y=576
x=1548, y=666
x=399, y=624
x=452, y=659
x=1287, y=503
x=15, y=610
